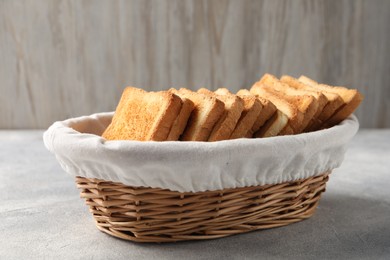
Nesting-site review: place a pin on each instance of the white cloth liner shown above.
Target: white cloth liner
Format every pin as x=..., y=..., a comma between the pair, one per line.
x=195, y=166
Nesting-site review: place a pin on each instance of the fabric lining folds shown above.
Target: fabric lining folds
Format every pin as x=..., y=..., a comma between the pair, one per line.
x=195, y=166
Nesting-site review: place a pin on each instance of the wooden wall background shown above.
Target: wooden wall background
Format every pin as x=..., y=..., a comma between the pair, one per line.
x=64, y=58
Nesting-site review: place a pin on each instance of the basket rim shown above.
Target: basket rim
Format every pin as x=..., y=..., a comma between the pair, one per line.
x=195, y=166
x=71, y=127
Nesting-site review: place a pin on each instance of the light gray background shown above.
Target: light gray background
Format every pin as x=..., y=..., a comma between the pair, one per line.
x=65, y=58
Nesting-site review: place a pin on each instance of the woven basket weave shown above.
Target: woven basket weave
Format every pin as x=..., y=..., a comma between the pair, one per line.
x=160, y=215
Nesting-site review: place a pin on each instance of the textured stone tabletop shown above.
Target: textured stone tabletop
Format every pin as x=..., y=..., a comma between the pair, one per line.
x=42, y=216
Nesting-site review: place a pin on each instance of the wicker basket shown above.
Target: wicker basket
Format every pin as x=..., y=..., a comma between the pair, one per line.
x=196, y=198
x=160, y=215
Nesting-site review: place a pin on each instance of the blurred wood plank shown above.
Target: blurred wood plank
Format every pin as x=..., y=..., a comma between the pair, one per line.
x=61, y=59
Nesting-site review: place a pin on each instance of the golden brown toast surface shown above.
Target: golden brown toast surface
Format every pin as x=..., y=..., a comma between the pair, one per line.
x=181, y=120
x=234, y=106
x=267, y=111
x=287, y=131
x=303, y=89
x=271, y=107
x=351, y=98
x=143, y=116
x=206, y=113
x=307, y=104
x=334, y=103
x=273, y=126
x=251, y=112
x=223, y=91
x=294, y=115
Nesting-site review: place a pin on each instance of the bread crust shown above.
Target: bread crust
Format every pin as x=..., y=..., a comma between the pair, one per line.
x=267, y=111
x=303, y=89
x=207, y=110
x=271, y=107
x=182, y=118
x=273, y=126
x=287, y=131
x=294, y=115
x=351, y=100
x=249, y=116
x=334, y=103
x=306, y=104
x=143, y=116
x=234, y=106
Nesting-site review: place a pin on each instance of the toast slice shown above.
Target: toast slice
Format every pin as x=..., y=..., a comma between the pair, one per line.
x=143, y=116
x=181, y=120
x=223, y=91
x=234, y=106
x=249, y=115
x=295, y=117
x=302, y=89
x=351, y=100
x=334, y=103
x=305, y=103
x=207, y=111
x=273, y=126
x=287, y=131
x=267, y=111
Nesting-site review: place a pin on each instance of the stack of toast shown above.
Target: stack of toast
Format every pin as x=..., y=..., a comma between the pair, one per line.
x=271, y=107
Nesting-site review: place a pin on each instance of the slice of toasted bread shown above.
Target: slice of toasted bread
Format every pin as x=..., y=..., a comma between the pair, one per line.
x=143, y=116
x=267, y=111
x=351, y=98
x=334, y=103
x=181, y=120
x=223, y=91
x=249, y=115
x=234, y=106
x=206, y=113
x=300, y=88
x=287, y=131
x=295, y=117
x=273, y=126
x=245, y=92
x=306, y=104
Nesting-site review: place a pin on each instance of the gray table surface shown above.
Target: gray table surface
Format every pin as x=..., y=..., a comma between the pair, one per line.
x=42, y=216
